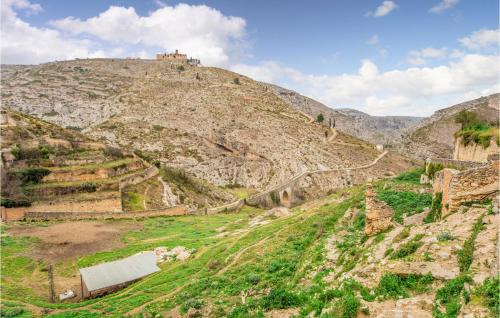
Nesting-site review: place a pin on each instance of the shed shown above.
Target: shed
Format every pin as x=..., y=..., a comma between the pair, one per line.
x=108, y=277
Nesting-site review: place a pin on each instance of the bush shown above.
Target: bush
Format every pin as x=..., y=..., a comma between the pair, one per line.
x=114, y=152
x=280, y=298
x=236, y=81
x=445, y=236
x=408, y=248
x=89, y=187
x=449, y=297
x=350, y=305
x=191, y=303
x=320, y=118
x=465, y=255
x=33, y=175
x=480, y=133
x=435, y=212
x=395, y=286
x=432, y=168
x=8, y=203
x=412, y=176
x=490, y=291
x=466, y=118
x=181, y=68
x=405, y=202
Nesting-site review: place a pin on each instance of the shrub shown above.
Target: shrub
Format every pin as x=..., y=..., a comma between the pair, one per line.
x=395, y=286
x=8, y=203
x=33, y=175
x=181, y=68
x=405, y=202
x=236, y=81
x=191, y=303
x=412, y=176
x=114, y=152
x=432, y=168
x=158, y=127
x=253, y=279
x=449, y=296
x=320, y=118
x=16, y=152
x=280, y=298
x=350, y=305
x=275, y=197
x=480, y=133
x=465, y=255
x=490, y=291
x=445, y=236
x=89, y=187
x=408, y=248
x=466, y=118
x=435, y=212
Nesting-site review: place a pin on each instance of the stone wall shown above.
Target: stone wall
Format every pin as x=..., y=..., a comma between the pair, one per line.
x=91, y=174
x=12, y=214
x=226, y=208
x=40, y=216
x=378, y=214
x=473, y=151
x=139, y=177
x=474, y=184
x=98, y=205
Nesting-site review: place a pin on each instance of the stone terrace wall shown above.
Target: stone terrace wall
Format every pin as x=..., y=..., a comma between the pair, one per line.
x=459, y=164
x=137, y=178
x=39, y=216
x=470, y=185
x=378, y=213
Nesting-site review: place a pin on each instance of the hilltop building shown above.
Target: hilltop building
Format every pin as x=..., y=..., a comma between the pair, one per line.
x=177, y=58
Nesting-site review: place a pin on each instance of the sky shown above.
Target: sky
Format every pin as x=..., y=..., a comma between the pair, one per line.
x=399, y=57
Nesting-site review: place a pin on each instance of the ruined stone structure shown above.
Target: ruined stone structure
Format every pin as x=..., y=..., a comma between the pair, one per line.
x=474, y=184
x=378, y=214
x=473, y=151
x=177, y=58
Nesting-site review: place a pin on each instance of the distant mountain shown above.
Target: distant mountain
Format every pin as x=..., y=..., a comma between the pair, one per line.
x=374, y=129
x=434, y=136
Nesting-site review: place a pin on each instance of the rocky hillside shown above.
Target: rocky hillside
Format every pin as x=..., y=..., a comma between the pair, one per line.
x=385, y=130
x=217, y=125
x=434, y=136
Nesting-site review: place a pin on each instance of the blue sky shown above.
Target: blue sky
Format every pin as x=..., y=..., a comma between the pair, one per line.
x=383, y=57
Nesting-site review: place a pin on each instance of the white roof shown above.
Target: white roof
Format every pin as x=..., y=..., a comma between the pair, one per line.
x=118, y=272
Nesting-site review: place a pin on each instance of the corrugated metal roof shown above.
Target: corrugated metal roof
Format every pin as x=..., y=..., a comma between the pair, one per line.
x=118, y=272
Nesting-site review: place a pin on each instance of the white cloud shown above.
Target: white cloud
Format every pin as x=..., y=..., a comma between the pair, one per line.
x=24, y=44
x=384, y=9
x=374, y=40
x=198, y=30
x=420, y=57
x=412, y=91
x=481, y=39
x=443, y=5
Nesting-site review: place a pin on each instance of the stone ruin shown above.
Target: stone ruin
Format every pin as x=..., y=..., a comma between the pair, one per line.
x=476, y=184
x=378, y=214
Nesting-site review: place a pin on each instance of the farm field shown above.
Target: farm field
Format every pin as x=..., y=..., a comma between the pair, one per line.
x=231, y=253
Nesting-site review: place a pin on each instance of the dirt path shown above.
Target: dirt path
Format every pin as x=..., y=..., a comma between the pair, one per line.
x=333, y=135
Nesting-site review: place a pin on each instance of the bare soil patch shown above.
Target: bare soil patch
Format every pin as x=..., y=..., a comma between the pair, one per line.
x=73, y=239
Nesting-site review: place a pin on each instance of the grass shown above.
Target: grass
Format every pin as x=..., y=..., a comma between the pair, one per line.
x=405, y=202
x=396, y=286
x=489, y=292
x=412, y=176
x=436, y=207
x=132, y=201
x=480, y=134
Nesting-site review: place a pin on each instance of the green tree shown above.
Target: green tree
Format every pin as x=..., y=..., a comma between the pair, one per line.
x=320, y=118
x=466, y=118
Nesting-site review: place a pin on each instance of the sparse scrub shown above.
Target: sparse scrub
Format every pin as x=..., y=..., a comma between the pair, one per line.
x=489, y=292
x=465, y=255
x=408, y=248
x=445, y=236
x=395, y=286
x=449, y=297
x=320, y=118
x=480, y=134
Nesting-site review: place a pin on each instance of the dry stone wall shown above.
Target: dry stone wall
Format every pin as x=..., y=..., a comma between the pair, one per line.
x=378, y=213
x=474, y=184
